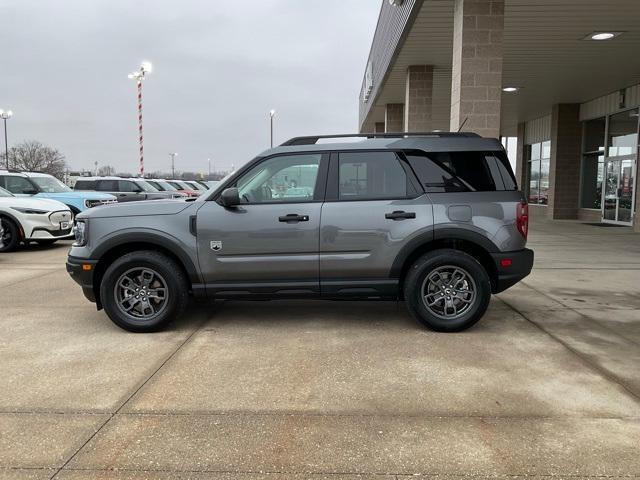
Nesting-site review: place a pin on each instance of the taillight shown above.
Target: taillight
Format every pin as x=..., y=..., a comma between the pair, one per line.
x=522, y=218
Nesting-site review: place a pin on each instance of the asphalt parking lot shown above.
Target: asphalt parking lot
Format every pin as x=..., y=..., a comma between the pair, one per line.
x=548, y=383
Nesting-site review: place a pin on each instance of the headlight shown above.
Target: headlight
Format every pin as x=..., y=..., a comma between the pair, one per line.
x=80, y=231
x=30, y=211
x=92, y=203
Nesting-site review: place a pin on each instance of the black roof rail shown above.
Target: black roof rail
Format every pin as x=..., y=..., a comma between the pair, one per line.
x=313, y=139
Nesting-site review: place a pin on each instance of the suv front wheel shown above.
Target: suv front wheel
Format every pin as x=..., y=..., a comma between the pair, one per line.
x=143, y=291
x=447, y=290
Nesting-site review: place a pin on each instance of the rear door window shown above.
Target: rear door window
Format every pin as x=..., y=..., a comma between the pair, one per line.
x=108, y=185
x=127, y=186
x=371, y=176
x=84, y=185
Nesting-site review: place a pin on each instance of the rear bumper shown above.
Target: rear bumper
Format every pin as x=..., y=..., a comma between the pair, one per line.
x=84, y=278
x=520, y=267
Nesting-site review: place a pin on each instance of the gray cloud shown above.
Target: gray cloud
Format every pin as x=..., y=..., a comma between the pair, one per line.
x=219, y=67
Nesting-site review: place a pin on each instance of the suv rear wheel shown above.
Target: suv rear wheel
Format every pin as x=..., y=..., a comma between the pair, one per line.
x=447, y=290
x=143, y=291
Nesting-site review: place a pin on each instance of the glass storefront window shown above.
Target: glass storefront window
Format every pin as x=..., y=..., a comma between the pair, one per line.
x=592, y=173
x=623, y=133
x=535, y=151
x=543, y=198
x=594, y=135
x=534, y=181
x=593, y=163
x=539, y=173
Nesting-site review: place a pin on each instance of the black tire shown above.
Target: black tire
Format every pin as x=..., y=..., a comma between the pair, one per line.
x=123, y=271
x=464, y=308
x=46, y=242
x=11, y=237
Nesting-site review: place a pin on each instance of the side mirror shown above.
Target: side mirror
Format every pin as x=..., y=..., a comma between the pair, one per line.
x=230, y=197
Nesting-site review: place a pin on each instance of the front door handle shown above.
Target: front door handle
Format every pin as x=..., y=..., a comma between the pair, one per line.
x=399, y=215
x=293, y=217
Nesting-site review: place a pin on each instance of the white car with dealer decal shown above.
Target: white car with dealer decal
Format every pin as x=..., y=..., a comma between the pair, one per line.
x=28, y=219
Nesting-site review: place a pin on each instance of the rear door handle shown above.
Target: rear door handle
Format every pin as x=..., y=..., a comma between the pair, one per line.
x=293, y=217
x=399, y=215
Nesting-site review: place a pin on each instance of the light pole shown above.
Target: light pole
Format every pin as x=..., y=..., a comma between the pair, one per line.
x=173, y=165
x=6, y=116
x=272, y=113
x=139, y=76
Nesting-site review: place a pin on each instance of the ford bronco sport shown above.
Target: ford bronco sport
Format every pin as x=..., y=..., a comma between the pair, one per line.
x=433, y=219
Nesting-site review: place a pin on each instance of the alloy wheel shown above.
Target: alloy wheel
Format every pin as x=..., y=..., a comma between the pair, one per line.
x=141, y=293
x=448, y=292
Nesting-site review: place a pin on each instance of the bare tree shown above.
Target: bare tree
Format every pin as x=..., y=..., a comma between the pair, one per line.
x=106, y=171
x=33, y=156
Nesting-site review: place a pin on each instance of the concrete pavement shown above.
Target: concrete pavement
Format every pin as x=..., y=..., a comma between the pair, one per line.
x=548, y=383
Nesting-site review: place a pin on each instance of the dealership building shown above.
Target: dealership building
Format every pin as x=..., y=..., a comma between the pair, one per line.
x=561, y=76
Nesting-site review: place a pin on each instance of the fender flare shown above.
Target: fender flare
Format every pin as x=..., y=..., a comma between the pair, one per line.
x=444, y=233
x=154, y=238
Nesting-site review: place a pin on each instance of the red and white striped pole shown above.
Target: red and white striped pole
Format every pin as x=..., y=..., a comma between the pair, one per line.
x=140, y=127
x=139, y=76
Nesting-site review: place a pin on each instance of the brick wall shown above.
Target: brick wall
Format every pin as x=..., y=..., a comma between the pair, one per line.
x=394, y=118
x=564, y=168
x=418, y=112
x=476, y=89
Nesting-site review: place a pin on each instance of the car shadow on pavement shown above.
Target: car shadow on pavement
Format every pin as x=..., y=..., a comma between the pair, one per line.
x=286, y=313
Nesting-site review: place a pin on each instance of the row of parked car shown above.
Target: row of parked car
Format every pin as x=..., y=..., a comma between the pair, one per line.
x=37, y=207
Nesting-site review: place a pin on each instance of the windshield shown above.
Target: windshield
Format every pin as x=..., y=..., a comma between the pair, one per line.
x=166, y=185
x=146, y=186
x=4, y=193
x=50, y=184
x=180, y=185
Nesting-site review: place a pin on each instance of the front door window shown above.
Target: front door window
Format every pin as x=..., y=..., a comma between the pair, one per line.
x=284, y=179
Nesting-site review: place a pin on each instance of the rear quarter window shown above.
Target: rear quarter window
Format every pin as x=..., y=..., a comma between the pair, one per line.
x=462, y=171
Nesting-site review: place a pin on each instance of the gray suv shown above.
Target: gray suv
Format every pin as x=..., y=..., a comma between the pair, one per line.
x=433, y=219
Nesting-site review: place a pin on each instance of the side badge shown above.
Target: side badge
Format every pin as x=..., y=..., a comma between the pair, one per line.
x=215, y=245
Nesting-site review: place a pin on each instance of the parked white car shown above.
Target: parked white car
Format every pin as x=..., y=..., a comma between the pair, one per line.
x=28, y=219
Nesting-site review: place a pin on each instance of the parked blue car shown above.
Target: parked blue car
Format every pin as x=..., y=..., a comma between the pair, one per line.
x=46, y=186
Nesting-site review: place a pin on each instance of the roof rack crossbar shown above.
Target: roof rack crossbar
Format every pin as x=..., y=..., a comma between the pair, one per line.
x=313, y=139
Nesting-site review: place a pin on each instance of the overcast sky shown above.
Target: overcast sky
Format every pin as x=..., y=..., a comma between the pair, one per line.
x=219, y=67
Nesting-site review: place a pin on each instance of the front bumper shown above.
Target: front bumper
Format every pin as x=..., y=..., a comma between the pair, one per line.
x=78, y=269
x=42, y=233
x=48, y=227
x=520, y=265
